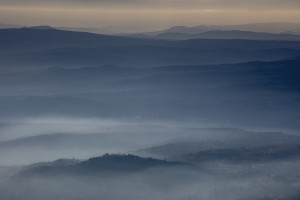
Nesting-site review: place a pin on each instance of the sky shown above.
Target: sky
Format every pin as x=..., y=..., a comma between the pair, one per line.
x=146, y=14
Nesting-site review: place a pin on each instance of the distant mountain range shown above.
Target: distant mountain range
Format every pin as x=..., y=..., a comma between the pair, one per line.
x=44, y=47
x=44, y=37
x=260, y=31
x=273, y=27
x=234, y=34
x=270, y=27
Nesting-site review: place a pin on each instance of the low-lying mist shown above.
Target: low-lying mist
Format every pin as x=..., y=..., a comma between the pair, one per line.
x=28, y=140
x=185, y=183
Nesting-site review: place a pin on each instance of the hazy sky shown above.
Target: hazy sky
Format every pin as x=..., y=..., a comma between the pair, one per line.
x=146, y=14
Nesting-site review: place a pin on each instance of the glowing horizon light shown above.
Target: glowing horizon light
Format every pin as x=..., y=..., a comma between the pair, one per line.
x=146, y=15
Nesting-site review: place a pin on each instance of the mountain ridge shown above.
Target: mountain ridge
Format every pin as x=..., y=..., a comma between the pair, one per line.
x=105, y=164
x=228, y=34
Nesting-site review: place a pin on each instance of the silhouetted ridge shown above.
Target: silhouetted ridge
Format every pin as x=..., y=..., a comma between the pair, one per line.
x=97, y=165
x=122, y=162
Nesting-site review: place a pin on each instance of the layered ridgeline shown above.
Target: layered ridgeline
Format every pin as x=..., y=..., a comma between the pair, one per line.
x=183, y=34
x=29, y=48
x=143, y=104
x=273, y=28
x=253, y=94
x=259, y=31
